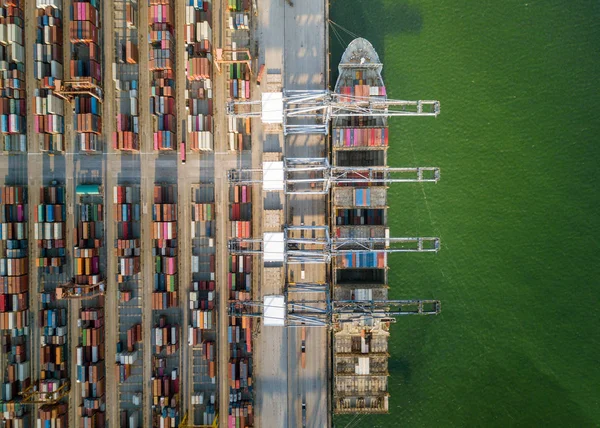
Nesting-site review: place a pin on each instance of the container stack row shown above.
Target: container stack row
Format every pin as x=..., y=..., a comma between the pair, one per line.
x=49, y=229
x=12, y=74
x=239, y=336
x=48, y=67
x=240, y=211
x=360, y=217
x=202, y=295
x=14, y=304
x=126, y=137
x=85, y=36
x=239, y=330
x=14, y=261
x=198, y=62
x=87, y=124
x=126, y=75
x=128, y=352
x=165, y=337
x=15, y=380
x=238, y=133
x=126, y=214
x=161, y=34
x=54, y=359
x=360, y=137
x=165, y=394
x=166, y=332
x=204, y=397
x=239, y=277
x=238, y=5
x=164, y=251
x=239, y=81
x=53, y=416
x=91, y=368
x=88, y=242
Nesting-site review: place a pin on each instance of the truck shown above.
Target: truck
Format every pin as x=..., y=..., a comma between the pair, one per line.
x=182, y=151
x=303, y=348
x=261, y=71
x=304, y=413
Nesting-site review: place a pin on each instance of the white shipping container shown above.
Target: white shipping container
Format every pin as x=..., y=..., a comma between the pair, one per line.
x=134, y=106
x=173, y=335
x=16, y=52
x=48, y=231
x=159, y=337
x=58, y=230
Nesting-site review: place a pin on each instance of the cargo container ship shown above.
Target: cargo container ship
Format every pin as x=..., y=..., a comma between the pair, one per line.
x=360, y=211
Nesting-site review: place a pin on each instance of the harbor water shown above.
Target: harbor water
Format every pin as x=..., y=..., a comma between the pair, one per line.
x=516, y=209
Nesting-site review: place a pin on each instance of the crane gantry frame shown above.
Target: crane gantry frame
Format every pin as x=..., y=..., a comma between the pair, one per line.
x=310, y=111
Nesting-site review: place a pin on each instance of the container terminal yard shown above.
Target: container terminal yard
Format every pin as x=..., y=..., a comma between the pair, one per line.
x=193, y=218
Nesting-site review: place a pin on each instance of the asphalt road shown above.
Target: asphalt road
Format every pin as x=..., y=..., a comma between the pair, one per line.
x=292, y=40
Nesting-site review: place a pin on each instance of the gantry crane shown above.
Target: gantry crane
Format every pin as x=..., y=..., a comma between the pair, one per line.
x=327, y=313
x=310, y=111
x=314, y=244
x=185, y=423
x=73, y=291
x=32, y=395
x=317, y=176
x=232, y=56
x=69, y=89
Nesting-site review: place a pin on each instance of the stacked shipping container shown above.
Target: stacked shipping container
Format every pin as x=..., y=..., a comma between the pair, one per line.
x=91, y=368
x=85, y=66
x=202, y=292
x=126, y=214
x=240, y=211
x=239, y=330
x=239, y=81
x=198, y=62
x=14, y=302
x=88, y=243
x=238, y=5
x=125, y=73
x=48, y=67
x=49, y=229
x=238, y=133
x=164, y=251
x=204, y=396
x=165, y=394
x=12, y=75
x=14, y=261
x=127, y=353
x=53, y=416
x=165, y=304
x=161, y=35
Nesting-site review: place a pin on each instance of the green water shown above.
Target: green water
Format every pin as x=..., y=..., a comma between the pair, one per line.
x=518, y=340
